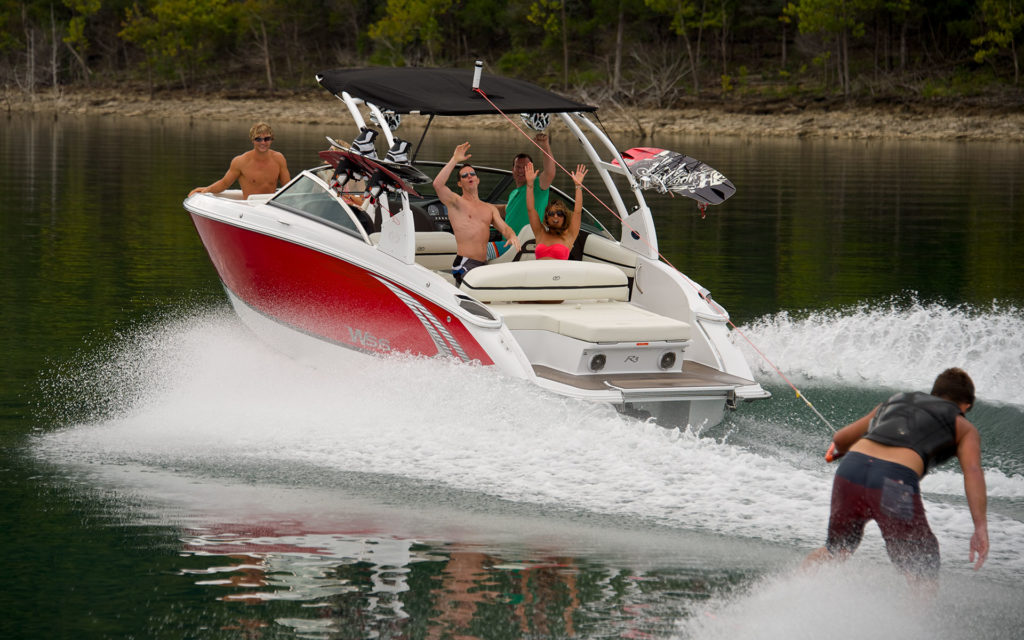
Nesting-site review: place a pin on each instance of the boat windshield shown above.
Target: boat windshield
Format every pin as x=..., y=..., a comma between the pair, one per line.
x=311, y=198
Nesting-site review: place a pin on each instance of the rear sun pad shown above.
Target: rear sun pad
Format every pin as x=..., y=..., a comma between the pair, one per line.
x=545, y=281
x=611, y=321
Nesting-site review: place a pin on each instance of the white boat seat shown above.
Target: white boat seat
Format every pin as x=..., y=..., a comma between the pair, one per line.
x=604, y=251
x=593, y=321
x=546, y=280
x=435, y=250
x=525, y=240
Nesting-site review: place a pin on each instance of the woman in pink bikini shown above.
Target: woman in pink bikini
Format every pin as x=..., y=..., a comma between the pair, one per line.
x=557, y=233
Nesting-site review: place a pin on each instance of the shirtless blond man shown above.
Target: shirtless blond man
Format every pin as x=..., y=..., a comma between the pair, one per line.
x=471, y=218
x=260, y=170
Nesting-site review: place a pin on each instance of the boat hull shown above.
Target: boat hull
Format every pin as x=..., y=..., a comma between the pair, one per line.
x=311, y=288
x=331, y=298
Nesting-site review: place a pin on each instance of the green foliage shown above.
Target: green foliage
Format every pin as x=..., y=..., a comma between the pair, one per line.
x=959, y=84
x=546, y=15
x=481, y=22
x=829, y=17
x=83, y=10
x=8, y=41
x=588, y=77
x=408, y=22
x=519, y=63
x=283, y=42
x=1004, y=20
x=181, y=37
x=682, y=12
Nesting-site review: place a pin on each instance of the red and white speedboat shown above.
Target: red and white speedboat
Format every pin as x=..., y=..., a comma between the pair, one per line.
x=612, y=324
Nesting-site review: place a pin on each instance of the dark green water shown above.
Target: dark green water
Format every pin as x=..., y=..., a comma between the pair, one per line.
x=165, y=475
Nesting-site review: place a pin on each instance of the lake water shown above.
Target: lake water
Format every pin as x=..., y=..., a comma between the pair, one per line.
x=163, y=474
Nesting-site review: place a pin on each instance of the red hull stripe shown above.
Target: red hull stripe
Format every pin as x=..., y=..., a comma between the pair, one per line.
x=331, y=298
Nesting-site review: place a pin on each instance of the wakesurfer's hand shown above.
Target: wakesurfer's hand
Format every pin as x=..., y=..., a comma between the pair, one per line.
x=979, y=547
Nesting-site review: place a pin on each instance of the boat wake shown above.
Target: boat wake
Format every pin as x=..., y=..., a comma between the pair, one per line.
x=199, y=394
x=900, y=343
x=853, y=602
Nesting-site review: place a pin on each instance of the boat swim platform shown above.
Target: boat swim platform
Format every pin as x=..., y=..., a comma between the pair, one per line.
x=694, y=376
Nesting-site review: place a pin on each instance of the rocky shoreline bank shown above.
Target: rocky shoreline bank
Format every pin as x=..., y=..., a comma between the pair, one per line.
x=778, y=119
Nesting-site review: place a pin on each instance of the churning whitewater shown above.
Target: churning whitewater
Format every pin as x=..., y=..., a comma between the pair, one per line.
x=198, y=391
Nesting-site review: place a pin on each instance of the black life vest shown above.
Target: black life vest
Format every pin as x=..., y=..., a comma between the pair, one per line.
x=918, y=421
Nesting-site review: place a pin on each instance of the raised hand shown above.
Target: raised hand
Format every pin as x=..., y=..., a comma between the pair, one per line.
x=530, y=172
x=579, y=174
x=462, y=153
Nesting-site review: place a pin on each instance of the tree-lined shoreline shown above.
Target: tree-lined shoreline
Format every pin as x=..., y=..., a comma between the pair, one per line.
x=892, y=69
x=987, y=122
x=651, y=54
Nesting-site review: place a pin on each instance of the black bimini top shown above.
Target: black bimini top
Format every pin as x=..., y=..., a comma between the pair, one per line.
x=443, y=92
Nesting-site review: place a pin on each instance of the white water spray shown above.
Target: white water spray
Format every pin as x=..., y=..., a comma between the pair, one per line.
x=200, y=392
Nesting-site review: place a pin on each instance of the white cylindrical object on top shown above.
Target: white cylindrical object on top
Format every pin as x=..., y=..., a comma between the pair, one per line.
x=476, y=73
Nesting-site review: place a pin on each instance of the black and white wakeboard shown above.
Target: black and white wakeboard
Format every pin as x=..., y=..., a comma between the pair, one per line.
x=672, y=172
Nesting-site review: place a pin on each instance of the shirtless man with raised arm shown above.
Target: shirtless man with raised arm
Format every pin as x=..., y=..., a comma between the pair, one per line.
x=471, y=218
x=259, y=170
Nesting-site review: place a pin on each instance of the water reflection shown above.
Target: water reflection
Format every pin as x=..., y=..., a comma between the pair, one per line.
x=365, y=585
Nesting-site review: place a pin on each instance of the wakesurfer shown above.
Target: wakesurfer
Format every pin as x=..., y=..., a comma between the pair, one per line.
x=885, y=454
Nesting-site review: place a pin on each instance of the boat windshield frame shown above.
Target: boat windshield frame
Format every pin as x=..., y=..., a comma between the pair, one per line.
x=311, y=207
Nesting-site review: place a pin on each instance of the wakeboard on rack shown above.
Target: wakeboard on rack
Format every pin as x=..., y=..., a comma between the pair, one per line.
x=672, y=172
x=357, y=167
x=360, y=162
x=396, y=162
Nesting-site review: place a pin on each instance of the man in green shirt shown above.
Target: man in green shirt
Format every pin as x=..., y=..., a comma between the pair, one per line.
x=514, y=212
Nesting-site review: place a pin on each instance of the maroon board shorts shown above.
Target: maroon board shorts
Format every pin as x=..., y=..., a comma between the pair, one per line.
x=867, y=488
